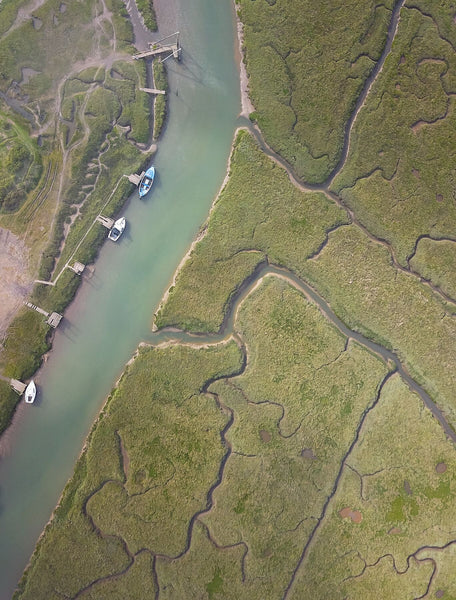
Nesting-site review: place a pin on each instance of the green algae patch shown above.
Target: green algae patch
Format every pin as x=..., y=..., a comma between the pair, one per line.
x=128, y=483
x=291, y=48
x=215, y=586
x=258, y=216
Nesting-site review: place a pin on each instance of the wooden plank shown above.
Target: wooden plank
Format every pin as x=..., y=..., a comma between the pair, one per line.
x=18, y=386
x=54, y=320
x=152, y=91
x=105, y=221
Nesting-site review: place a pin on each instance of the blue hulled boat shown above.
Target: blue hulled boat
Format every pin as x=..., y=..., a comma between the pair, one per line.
x=146, y=182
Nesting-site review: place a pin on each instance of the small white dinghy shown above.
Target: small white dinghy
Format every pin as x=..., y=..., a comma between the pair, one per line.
x=30, y=392
x=117, y=229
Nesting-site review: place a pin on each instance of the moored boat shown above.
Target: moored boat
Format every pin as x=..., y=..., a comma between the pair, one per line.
x=146, y=182
x=117, y=229
x=30, y=392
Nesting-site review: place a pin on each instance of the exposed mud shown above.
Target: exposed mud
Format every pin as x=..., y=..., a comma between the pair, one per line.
x=15, y=280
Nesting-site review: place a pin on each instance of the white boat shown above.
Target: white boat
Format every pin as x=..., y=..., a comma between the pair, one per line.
x=30, y=392
x=117, y=229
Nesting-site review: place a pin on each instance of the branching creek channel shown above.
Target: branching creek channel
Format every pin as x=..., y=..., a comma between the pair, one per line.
x=113, y=310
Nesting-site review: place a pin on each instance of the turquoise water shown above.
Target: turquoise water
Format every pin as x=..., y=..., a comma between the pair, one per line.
x=113, y=310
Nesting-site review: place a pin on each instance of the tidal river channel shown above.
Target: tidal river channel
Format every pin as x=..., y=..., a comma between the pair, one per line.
x=113, y=310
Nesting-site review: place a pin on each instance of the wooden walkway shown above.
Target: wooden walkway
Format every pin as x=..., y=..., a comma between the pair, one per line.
x=152, y=91
x=157, y=48
x=53, y=319
x=16, y=385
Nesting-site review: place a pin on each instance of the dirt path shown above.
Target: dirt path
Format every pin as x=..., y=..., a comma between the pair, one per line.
x=15, y=280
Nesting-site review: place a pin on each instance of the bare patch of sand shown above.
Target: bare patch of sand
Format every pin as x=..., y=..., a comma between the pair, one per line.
x=246, y=103
x=15, y=280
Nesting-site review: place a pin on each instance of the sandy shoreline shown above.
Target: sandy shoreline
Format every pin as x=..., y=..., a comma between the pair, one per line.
x=246, y=103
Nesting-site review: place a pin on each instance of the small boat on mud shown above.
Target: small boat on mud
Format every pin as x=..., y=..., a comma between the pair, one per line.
x=146, y=182
x=30, y=392
x=117, y=229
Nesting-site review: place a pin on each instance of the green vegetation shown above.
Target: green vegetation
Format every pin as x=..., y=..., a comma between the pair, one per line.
x=399, y=178
x=20, y=163
x=306, y=69
x=157, y=449
x=356, y=277
x=259, y=216
x=146, y=8
x=8, y=401
x=353, y=273
x=436, y=262
x=161, y=83
x=297, y=407
x=158, y=438
x=26, y=342
x=388, y=483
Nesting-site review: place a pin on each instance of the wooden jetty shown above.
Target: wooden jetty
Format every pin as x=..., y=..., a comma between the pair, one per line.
x=105, y=221
x=152, y=91
x=53, y=319
x=77, y=268
x=18, y=386
x=136, y=179
x=158, y=48
x=37, y=308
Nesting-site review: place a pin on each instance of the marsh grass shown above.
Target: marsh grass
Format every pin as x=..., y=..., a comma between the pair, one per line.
x=303, y=388
x=396, y=456
x=258, y=215
x=436, y=261
x=20, y=163
x=150, y=460
x=146, y=8
x=108, y=115
x=399, y=178
x=306, y=69
x=356, y=277
x=26, y=342
x=156, y=449
x=8, y=402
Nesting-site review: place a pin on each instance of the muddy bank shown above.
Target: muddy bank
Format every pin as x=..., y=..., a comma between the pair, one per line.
x=15, y=280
